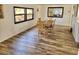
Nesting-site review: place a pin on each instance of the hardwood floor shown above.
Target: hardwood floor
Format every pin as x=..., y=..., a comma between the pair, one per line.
x=59, y=42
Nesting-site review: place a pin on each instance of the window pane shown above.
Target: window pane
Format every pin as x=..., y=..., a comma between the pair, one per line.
x=29, y=11
x=55, y=12
x=29, y=17
x=19, y=11
x=19, y=18
x=21, y=14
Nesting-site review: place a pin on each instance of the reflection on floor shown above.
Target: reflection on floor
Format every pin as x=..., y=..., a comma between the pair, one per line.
x=60, y=42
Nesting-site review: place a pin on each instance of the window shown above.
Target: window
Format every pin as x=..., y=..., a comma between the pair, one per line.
x=22, y=14
x=29, y=14
x=55, y=12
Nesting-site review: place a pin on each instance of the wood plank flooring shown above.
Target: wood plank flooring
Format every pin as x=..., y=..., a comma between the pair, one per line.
x=59, y=42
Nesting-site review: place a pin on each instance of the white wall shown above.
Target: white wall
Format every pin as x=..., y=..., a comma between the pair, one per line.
x=66, y=20
x=9, y=29
x=75, y=29
x=78, y=25
x=75, y=25
x=7, y=26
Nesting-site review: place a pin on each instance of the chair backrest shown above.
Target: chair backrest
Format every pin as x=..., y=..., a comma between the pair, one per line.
x=50, y=23
x=40, y=24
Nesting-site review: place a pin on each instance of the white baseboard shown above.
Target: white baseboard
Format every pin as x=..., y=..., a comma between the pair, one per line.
x=5, y=38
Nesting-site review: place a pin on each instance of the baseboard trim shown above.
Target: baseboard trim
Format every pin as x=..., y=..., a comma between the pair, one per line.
x=63, y=25
x=17, y=34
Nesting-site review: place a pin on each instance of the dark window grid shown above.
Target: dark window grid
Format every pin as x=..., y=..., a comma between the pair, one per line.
x=55, y=7
x=25, y=15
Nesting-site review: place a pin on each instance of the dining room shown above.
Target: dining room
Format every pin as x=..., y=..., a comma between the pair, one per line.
x=39, y=29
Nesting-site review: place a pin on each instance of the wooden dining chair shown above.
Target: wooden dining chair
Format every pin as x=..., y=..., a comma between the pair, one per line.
x=41, y=27
x=50, y=25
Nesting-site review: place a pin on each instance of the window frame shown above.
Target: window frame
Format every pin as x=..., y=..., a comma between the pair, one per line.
x=53, y=8
x=31, y=14
x=25, y=14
